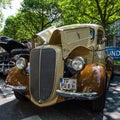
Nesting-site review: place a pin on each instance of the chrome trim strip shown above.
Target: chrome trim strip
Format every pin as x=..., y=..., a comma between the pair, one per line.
x=73, y=95
x=15, y=87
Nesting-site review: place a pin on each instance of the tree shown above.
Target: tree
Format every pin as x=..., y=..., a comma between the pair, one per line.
x=33, y=17
x=103, y=12
x=10, y=27
x=41, y=13
x=3, y=4
x=15, y=28
x=37, y=15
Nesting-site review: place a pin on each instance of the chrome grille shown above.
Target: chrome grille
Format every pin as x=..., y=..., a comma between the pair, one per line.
x=42, y=71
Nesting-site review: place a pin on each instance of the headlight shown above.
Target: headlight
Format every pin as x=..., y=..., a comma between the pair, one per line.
x=21, y=63
x=78, y=63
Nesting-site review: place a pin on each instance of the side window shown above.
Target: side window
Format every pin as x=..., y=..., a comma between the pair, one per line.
x=92, y=33
x=99, y=36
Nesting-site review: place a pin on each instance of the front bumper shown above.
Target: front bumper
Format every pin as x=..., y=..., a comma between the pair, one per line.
x=81, y=96
x=20, y=89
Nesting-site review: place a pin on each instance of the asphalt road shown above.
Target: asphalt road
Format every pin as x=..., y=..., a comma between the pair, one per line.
x=12, y=109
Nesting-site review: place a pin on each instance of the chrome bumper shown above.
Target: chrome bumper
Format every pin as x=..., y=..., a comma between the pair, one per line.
x=20, y=89
x=81, y=96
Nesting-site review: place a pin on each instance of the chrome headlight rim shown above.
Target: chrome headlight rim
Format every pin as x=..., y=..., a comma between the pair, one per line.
x=78, y=63
x=21, y=63
x=16, y=57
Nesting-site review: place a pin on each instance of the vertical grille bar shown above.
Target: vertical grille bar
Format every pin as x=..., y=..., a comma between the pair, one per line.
x=42, y=72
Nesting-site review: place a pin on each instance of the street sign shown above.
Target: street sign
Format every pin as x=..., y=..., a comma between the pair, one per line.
x=113, y=52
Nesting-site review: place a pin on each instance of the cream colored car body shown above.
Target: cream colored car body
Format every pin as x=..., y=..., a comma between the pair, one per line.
x=85, y=40
x=73, y=36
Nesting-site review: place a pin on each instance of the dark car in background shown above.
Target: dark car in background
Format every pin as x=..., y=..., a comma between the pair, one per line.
x=10, y=51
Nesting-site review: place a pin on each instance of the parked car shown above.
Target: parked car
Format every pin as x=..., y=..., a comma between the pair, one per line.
x=68, y=62
x=10, y=51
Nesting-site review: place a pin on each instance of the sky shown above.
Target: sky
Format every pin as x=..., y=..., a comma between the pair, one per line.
x=15, y=5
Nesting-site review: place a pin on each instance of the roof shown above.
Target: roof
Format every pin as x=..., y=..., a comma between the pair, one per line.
x=45, y=35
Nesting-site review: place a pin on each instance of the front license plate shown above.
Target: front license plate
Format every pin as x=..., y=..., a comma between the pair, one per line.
x=68, y=84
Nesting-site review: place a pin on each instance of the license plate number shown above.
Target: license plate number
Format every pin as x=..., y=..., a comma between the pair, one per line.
x=68, y=84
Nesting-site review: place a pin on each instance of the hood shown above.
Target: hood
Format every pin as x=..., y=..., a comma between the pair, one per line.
x=45, y=35
x=11, y=44
x=5, y=39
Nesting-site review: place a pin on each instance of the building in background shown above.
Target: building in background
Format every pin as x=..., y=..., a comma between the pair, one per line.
x=116, y=41
x=113, y=35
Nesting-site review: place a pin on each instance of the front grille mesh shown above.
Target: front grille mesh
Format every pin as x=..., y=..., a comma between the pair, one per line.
x=42, y=72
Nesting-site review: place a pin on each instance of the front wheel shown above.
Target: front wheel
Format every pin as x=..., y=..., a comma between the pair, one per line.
x=98, y=104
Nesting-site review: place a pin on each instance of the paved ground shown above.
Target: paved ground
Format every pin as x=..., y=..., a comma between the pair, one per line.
x=112, y=110
x=12, y=109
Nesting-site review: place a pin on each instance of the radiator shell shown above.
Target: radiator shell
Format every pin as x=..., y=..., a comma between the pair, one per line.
x=46, y=67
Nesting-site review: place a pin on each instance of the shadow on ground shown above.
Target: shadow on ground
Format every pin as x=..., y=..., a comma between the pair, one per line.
x=70, y=110
x=112, y=109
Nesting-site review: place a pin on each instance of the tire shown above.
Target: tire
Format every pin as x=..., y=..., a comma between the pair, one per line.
x=20, y=96
x=99, y=104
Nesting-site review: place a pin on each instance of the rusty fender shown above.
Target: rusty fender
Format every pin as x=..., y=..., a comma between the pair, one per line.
x=109, y=67
x=92, y=79
x=17, y=77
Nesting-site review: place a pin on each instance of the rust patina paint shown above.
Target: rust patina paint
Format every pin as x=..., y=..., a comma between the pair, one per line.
x=92, y=79
x=17, y=77
x=109, y=67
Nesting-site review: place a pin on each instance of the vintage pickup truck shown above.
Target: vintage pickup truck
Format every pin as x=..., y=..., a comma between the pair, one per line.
x=68, y=62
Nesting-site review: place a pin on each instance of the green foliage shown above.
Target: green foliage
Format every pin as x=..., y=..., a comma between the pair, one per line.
x=116, y=62
x=103, y=12
x=10, y=27
x=36, y=15
x=3, y=4
x=14, y=28
x=41, y=13
x=33, y=17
